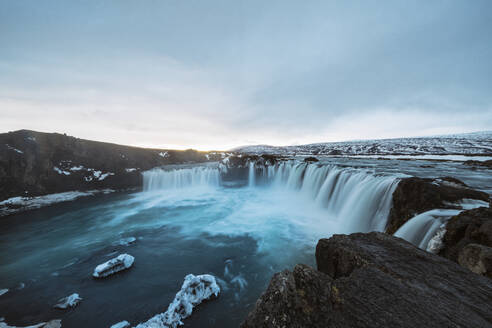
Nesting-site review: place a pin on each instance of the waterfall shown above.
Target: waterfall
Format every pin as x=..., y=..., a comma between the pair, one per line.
x=421, y=228
x=360, y=200
x=251, y=174
x=202, y=176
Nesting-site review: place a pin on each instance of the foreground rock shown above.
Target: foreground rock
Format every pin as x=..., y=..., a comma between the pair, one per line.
x=195, y=290
x=374, y=280
x=415, y=195
x=119, y=263
x=68, y=302
x=468, y=240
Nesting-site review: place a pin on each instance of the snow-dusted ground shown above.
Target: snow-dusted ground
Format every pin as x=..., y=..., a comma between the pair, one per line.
x=19, y=203
x=479, y=143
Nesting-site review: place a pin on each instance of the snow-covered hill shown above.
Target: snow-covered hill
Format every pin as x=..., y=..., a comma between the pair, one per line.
x=478, y=143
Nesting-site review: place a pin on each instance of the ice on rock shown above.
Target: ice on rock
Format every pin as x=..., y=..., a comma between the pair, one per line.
x=68, y=302
x=119, y=263
x=195, y=289
x=3, y=291
x=49, y=324
x=121, y=324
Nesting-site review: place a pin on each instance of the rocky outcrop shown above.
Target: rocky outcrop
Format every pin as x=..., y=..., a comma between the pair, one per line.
x=416, y=195
x=374, y=280
x=468, y=240
x=482, y=164
x=311, y=159
x=34, y=163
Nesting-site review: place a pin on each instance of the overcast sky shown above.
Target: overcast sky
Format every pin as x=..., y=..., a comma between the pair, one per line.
x=219, y=74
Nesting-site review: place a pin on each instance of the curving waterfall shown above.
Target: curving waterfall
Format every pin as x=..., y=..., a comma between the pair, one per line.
x=355, y=200
x=361, y=201
x=202, y=176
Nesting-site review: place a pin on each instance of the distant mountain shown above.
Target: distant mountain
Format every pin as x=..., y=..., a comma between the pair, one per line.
x=478, y=143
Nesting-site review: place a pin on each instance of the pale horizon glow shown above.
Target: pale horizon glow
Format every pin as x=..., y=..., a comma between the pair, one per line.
x=218, y=75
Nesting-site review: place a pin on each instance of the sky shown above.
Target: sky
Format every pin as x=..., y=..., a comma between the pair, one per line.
x=220, y=74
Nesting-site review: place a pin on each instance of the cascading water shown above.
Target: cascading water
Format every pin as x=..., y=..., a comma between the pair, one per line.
x=201, y=176
x=251, y=174
x=357, y=200
x=360, y=201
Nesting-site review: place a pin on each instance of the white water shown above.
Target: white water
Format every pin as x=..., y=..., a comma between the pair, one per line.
x=203, y=176
x=427, y=226
x=347, y=200
x=421, y=228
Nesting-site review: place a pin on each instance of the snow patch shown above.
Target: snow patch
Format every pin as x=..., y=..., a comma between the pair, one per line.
x=195, y=289
x=164, y=154
x=119, y=263
x=436, y=242
x=130, y=170
x=59, y=171
x=68, y=302
x=3, y=291
x=77, y=168
x=20, y=203
x=49, y=324
x=14, y=149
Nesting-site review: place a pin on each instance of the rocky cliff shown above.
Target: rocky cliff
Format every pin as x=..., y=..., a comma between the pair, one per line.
x=374, y=280
x=35, y=163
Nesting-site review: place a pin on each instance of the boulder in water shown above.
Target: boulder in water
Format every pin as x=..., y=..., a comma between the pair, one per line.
x=195, y=289
x=374, y=280
x=414, y=195
x=68, y=302
x=119, y=263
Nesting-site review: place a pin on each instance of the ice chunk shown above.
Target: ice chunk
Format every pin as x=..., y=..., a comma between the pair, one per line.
x=68, y=302
x=195, y=290
x=119, y=263
x=121, y=324
x=126, y=241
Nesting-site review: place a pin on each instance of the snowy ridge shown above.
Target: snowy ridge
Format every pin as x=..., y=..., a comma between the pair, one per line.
x=479, y=143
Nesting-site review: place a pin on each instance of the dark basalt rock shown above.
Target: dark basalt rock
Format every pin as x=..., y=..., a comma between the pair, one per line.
x=484, y=164
x=416, y=195
x=469, y=227
x=477, y=258
x=28, y=160
x=374, y=280
x=311, y=159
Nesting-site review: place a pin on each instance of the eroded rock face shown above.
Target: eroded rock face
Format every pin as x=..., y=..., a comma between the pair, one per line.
x=374, y=280
x=416, y=195
x=477, y=258
x=469, y=227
